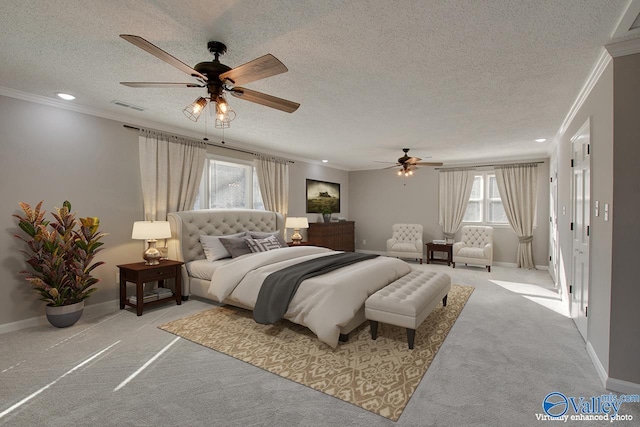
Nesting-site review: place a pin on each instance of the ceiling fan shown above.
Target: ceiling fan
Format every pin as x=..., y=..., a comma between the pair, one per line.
x=218, y=78
x=408, y=164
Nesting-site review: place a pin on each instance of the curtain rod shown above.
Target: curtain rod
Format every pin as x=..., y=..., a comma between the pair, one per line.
x=211, y=144
x=486, y=166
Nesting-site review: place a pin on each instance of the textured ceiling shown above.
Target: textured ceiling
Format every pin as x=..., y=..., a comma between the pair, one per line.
x=457, y=81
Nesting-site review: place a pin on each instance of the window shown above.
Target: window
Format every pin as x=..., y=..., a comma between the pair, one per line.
x=228, y=184
x=485, y=205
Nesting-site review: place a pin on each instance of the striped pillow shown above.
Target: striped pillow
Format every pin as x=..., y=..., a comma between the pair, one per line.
x=263, y=245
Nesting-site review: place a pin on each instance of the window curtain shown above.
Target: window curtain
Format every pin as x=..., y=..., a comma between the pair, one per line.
x=518, y=186
x=170, y=169
x=273, y=179
x=455, y=190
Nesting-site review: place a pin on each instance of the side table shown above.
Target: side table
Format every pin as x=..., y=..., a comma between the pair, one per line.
x=140, y=273
x=436, y=247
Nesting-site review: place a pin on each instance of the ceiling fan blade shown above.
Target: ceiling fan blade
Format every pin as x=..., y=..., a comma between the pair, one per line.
x=413, y=160
x=395, y=163
x=391, y=167
x=260, y=68
x=161, y=54
x=159, y=84
x=264, y=99
x=429, y=164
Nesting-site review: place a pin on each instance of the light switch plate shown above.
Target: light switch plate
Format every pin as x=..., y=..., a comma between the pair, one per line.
x=597, y=208
x=606, y=211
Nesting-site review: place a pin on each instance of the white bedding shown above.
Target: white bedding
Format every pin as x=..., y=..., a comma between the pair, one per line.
x=204, y=269
x=322, y=303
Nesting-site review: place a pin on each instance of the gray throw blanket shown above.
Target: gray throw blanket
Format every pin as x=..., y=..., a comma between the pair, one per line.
x=279, y=287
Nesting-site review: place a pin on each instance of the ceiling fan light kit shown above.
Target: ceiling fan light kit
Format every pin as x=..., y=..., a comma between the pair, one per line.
x=408, y=164
x=193, y=110
x=218, y=78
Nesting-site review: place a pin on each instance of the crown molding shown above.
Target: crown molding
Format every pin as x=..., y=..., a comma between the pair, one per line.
x=149, y=124
x=96, y=112
x=596, y=72
x=627, y=19
x=623, y=48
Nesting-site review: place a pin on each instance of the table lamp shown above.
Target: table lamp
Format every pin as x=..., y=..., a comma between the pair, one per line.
x=150, y=231
x=296, y=223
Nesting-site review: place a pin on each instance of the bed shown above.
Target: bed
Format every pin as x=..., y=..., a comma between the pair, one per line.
x=331, y=305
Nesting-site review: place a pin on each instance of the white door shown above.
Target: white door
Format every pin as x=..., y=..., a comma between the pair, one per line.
x=581, y=206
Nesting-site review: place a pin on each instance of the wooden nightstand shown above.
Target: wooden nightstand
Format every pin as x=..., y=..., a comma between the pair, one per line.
x=435, y=247
x=140, y=273
x=301, y=244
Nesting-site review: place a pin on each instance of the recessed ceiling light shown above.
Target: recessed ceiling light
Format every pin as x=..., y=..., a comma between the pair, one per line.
x=325, y=161
x=540, y=140
x=65, y=96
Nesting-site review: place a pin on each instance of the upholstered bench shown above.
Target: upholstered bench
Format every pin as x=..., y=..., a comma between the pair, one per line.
x=407, y=301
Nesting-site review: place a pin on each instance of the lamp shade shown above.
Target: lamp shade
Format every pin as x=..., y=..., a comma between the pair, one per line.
x=297, y=222
x=151, y=230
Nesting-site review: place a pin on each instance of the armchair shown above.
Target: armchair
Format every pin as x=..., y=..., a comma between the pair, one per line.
x=406, y=242
x=475, y=247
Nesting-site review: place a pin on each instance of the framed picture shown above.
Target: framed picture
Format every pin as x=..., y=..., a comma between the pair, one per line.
x=321, y=195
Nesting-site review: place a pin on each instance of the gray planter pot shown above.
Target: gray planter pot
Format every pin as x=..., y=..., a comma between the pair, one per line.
x=326, y=217
x=65, y=315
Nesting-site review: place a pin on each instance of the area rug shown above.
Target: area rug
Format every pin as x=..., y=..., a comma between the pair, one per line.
x=379, y=376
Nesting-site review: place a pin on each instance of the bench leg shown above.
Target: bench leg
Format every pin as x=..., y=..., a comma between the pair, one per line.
x=374, y=329
x=489, y=268
x=343, y=337
x=453, y=264
x=444, y=300
x=411, y=335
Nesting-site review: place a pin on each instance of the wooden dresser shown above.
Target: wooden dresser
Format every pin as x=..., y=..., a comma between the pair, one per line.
x=339, y=236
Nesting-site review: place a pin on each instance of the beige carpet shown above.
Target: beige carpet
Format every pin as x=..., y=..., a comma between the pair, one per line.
x=379, y=376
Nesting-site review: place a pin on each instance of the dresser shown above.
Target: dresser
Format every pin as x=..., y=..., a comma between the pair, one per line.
x=339, y=236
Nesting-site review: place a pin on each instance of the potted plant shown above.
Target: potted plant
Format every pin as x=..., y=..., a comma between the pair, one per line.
x=60, y=254
x=326, y=214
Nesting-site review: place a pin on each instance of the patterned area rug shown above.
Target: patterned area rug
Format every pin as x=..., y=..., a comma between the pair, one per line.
x=379, y=376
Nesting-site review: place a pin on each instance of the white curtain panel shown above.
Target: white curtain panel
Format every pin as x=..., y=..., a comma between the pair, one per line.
x=518, y=187
x=455, y=189
x=273, y=179
x=170, y=169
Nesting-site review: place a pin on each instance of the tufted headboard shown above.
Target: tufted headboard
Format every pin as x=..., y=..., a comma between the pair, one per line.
x=187, y=226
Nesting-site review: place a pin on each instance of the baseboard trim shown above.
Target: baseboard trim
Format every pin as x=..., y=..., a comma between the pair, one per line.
x=505, y=264
x=90, y=310
x=622, y=386
x=602, y=373
x=609, y=383
x=498, y=264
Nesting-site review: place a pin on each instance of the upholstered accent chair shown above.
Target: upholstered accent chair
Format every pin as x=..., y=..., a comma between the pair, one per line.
x=406, y=242
x=475, y=247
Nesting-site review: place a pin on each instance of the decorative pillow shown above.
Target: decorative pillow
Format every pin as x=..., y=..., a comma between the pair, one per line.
x=214, y=249
x=236, y=246
x=263, y=245
x=264, y=235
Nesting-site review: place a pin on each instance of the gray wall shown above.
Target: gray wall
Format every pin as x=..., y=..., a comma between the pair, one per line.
x=598, y=106
x=52, y=154
x=625, y=286
x=298, y=174
x=380, y=198
x=612, y=107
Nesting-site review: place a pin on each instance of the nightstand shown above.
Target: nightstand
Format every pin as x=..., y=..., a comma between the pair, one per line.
x=301, y=244
x=140, y=273
x=436, y=247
